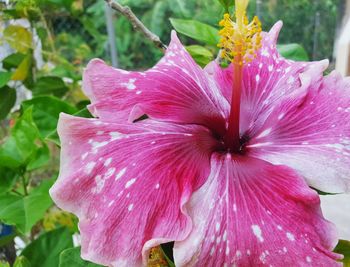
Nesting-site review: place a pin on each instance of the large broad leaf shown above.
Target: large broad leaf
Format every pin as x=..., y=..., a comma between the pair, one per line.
x=71, y=257
x=343, y=247
x=50, y=85
x=22, y=261
x=200, y=54
x=7, y=101
x=24, y=212
x=5, y=76
x=196, y=30
x=46, y=110
x=22, y=143
x=293, y=51
x=18, y=37
x=8, y=178
x=45, y=250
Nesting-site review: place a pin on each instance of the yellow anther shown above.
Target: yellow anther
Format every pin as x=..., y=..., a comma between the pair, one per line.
x=240, y=39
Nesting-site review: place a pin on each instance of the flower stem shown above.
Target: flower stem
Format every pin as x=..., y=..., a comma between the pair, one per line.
x=24, y=184
x=232, y=138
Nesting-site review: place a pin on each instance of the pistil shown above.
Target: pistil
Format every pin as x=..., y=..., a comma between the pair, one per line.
x=232, y=137
x=239, y=42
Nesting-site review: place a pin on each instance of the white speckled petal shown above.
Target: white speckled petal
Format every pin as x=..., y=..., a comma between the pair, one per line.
x=252, y=213
x=176, y=90
x=311, y=134
x=128, y=184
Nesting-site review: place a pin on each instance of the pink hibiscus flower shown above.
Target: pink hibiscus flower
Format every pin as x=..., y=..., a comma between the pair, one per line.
x=172, y=177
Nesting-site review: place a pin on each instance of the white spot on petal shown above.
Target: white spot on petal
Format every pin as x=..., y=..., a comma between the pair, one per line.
x=97, y=145
x=110, y=203
x=109, y=172
x=280, y=117
x=89, y=167
x=290, y=236
x=130, y=85
x=120, y=173
x=217, y=227
x=130, y=182
x=115, y=136
x=257, y=232
x=84, y=155
x=107, y=162
x=264, y=133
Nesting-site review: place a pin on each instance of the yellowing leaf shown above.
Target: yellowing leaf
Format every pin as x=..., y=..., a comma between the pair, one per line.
x=18, y=37
x=22, y=71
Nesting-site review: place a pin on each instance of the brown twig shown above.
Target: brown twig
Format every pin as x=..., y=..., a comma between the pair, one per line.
x=136, y=23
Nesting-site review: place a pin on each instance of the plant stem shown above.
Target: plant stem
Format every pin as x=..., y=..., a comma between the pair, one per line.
x=24, y=185
x=136, y=23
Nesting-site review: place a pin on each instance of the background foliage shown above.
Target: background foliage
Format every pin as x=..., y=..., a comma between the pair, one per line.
x=48, y=44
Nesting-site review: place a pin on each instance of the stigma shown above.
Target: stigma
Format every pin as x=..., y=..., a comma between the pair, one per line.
x=240, y=39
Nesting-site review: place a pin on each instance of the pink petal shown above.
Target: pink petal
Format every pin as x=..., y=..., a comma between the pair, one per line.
x=176, y=90
x=311, y=135
x=128, y=184
x=252, y=213
x=267, y=80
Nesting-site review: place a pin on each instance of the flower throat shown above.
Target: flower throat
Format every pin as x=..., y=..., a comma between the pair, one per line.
x=239, y=42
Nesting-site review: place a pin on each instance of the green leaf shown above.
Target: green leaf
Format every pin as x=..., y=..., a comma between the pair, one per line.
x=53, y=136
x=4, y=264
x=227, y=4
x=71, y=257
x=22, y=261
x=322, y=192
x=157, y=18
x=22, y=142
x=169, y=261
x=196, y=30
x=50, y=85
x=343, y=248
x=200, y=54
x=24, y=212
x=40, y=159
x=23, y=68
x=83, y=113
x=8, y=179
x=5, y=76
x=7, y=101
x=46, y=110
x=293, y=51
x=18, y=37
x=13, y=60
x=45, y=250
